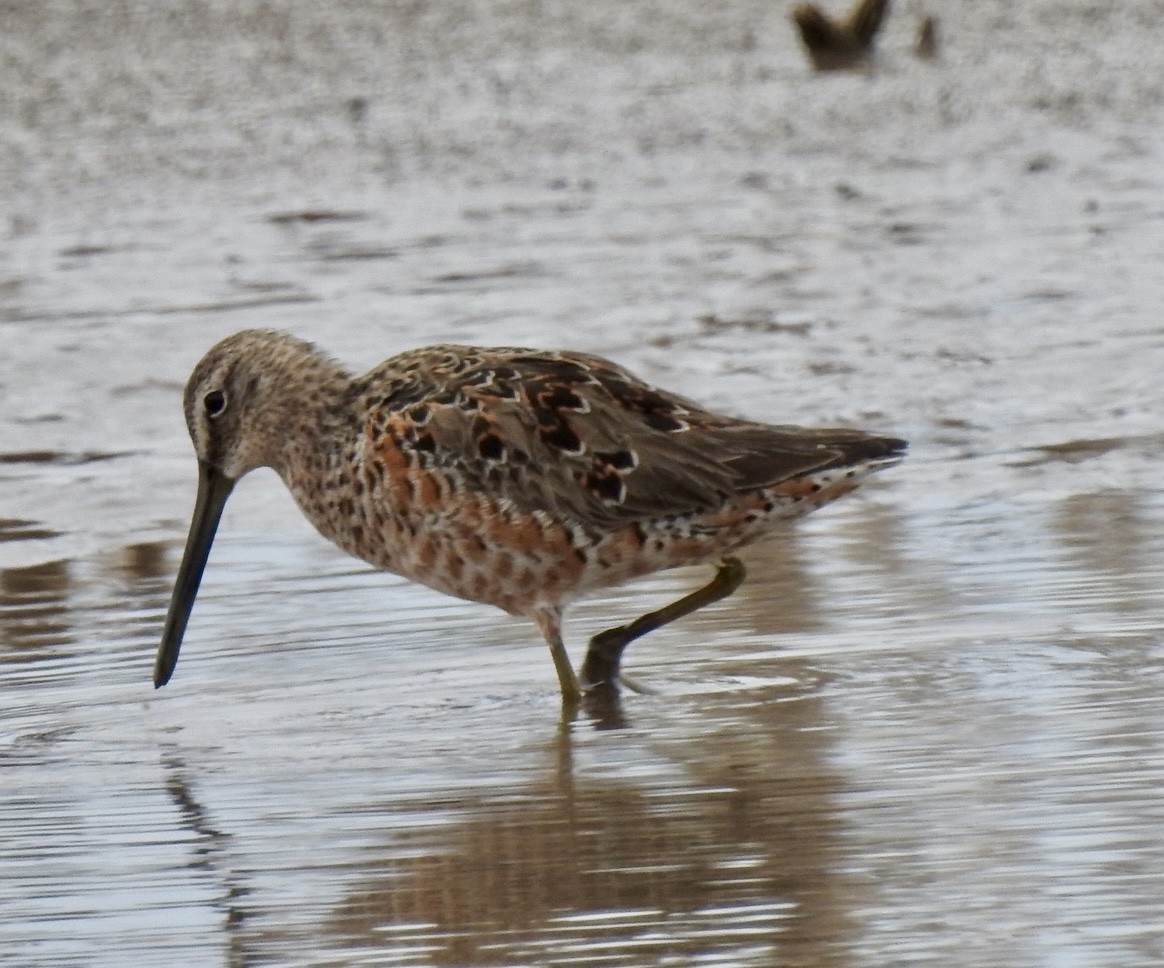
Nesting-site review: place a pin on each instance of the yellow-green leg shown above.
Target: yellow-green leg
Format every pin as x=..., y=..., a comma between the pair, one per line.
x=550, y=622
x=567, y=681
x=606, y=648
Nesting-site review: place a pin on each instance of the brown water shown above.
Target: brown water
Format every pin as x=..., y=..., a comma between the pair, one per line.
x=929, y=729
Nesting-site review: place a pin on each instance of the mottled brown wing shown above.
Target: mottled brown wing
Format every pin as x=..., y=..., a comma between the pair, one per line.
x=577, y=435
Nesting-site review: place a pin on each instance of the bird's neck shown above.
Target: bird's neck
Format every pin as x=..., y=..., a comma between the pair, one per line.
x=316, y=429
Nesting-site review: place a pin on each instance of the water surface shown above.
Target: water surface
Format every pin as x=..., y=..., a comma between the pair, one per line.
x=926, y=731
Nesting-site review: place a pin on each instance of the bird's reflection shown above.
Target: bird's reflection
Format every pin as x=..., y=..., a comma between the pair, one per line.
x=145, y=562
x=602, y=706
x=210, y=857
x=736, y=854
x=1106, y=538
x=34, y=609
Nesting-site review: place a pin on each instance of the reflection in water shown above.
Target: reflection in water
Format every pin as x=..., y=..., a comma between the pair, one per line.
x=18, y=529
x=141, y=571
x=779, y=594
x=33, y=609
x=1106, y=536
x=875, y=536
x=146, y=561
x=210, y=846
x=735, y=861
x=875, y=541
x=784, y=595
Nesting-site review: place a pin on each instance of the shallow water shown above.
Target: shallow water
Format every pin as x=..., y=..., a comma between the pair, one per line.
x=927, y=730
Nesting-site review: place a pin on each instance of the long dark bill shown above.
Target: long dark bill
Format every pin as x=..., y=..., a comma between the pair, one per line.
x=214, y=488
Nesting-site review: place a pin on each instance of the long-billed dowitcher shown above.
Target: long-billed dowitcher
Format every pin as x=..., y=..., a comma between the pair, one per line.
x=519, y=478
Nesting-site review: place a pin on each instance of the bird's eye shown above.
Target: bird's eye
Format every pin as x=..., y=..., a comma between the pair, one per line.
x=214, y=402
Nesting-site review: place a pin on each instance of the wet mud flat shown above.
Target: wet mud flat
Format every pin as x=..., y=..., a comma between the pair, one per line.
x=926, y=730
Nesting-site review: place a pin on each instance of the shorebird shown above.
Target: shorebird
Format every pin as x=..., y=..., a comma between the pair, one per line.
x=840, y=44
x=519, y=478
